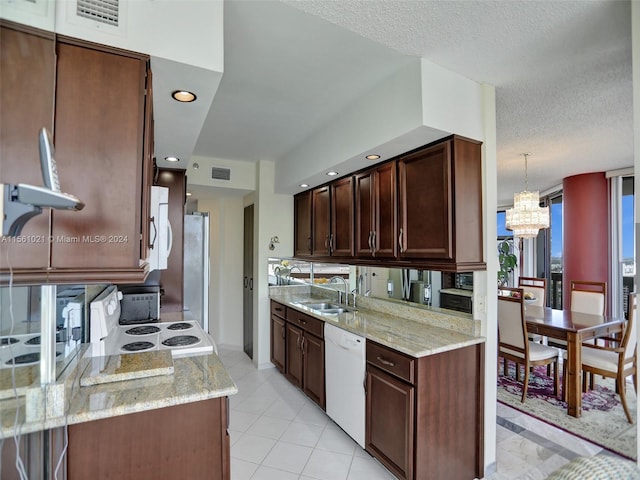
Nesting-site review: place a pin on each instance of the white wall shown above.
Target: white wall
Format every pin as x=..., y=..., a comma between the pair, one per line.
x=451, y=102
x=485, y=283
x=273, y=215
x=420, y=103
x=243, y=174
x=186, y=31
x=226, y=256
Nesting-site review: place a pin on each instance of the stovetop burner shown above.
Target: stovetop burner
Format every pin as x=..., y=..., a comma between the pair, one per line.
x=180, y=326
x=143, y=330
x=8, y=341
x=137, y=346
x=180, y=341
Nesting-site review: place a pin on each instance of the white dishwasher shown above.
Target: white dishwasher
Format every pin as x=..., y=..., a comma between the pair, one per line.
x=344, y=372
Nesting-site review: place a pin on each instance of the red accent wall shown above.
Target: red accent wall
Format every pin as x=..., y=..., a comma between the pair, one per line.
x=585, y=241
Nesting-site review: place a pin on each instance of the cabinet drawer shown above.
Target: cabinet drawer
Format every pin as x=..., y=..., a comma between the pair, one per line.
x=455, y=302
x=305, y=322
x=278, y=309
x=391, y=361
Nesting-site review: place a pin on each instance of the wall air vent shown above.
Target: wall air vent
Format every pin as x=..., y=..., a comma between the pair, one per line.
x=102, y=11
x=218, y=173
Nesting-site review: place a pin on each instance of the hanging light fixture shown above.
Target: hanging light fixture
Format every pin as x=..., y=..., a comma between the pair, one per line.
x=527, y=217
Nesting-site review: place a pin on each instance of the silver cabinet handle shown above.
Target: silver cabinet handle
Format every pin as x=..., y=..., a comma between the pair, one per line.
x=385, y=362
x=400, y=241
x=374, y=246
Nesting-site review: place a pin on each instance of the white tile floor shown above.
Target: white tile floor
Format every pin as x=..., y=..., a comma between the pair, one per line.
x=277, y=433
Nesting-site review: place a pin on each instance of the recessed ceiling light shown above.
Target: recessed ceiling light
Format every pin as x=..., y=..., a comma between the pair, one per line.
x=332, y=173
x=304, y=185
x=372, y=157
x=172, y=159
x=184, y=96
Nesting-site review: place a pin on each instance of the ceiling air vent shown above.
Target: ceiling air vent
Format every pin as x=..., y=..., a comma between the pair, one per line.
x=103, y=11
x=218, y=173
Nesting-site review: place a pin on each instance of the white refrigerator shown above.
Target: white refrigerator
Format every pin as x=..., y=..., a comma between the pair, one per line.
x=196, y=267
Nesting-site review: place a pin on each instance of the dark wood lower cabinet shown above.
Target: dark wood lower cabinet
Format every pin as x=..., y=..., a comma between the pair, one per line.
x=313, y=368
x=187, y=441
x=297, y=350
x=294, y=355
x=425, y=415
x=390, y=415
x=278, y=342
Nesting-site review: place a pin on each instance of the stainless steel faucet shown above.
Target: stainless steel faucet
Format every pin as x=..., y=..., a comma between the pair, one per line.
x=346, y=289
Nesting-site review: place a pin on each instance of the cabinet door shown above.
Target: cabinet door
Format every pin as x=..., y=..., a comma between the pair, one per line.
x=321, y=222
x=313, y=371
x=375, y=212
x=425, y=203
x=364, y=214
x=390, y=422
x=293, y=356
x=302, y=224
x=99, y=140
x=341, y=236
x=278, y=342
x=27, y=64
x=385, y=211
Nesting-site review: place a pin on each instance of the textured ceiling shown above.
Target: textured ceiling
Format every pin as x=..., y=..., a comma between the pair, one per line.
x=562, y=71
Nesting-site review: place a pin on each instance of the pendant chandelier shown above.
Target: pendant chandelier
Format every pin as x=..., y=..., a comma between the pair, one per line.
x=526, y=217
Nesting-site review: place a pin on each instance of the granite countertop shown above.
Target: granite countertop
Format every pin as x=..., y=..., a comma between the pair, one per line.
x=412, y=337
x=194, y=378
x=457, y=291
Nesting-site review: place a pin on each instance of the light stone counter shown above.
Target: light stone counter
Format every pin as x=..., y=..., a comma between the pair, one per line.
x=457, y=291
x=396, y=327
x=194, y=378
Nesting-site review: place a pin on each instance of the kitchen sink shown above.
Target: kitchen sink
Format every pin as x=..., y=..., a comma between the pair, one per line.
x=322, y=306
x=327, y=307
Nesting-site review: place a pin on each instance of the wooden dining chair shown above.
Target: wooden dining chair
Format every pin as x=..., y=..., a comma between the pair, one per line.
x=588, y=297
x=537, y=287
x=614, y=361
x=513, y=341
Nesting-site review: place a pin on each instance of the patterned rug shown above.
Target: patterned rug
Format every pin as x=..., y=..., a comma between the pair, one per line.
x=602, y=422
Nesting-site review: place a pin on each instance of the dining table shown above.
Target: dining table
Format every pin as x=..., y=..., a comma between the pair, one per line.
x=574, y=328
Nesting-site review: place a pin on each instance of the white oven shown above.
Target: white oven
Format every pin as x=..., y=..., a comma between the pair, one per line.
x=109, y=337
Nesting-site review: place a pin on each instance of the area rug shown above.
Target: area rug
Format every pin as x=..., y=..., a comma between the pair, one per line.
x=602, y=422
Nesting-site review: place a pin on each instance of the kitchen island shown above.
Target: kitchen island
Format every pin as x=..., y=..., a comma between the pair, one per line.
x=424, y=396
x=149, y=423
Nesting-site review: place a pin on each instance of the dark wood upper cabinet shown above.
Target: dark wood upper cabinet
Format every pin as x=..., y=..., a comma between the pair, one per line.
x=323, y=225
x=302, y=221
x=375, y=212
x=440, y=205
x=99, y=139
x=321, y=222
x=27, y=64
x=422, y=208
x=425, y=203
x=103, y=145
x=341, y=235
